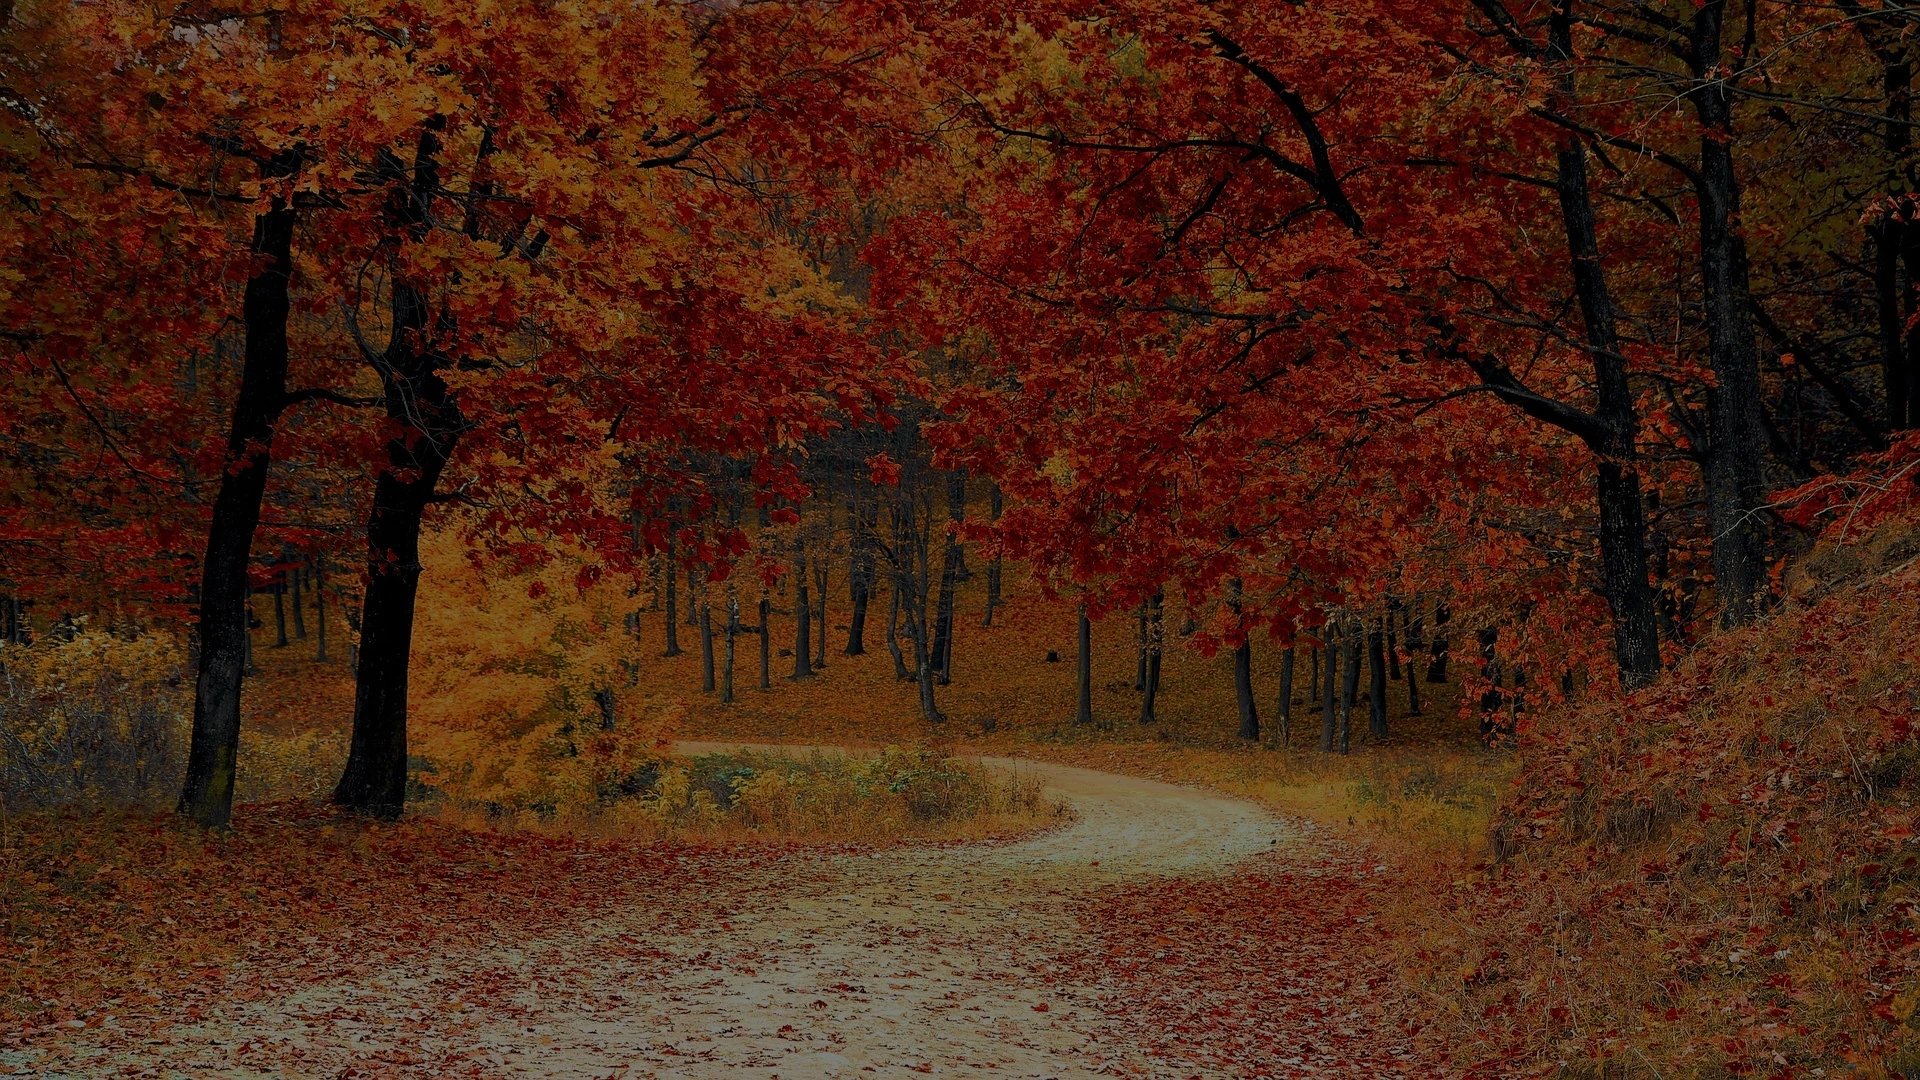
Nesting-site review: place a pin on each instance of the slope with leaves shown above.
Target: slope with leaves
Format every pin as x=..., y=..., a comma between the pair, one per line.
x=1718, y=875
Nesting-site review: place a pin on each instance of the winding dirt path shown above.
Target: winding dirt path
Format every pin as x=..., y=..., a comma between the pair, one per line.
x=922, y=960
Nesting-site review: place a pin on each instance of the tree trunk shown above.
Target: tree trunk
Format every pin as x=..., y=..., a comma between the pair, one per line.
x=320, y=608
x=1437, y=671
x=1376, y=684
x=1349, y=686
x=1329, y=705
x=1154, y=636
x=1896, y=358
x=1490, y=698
x=375, y=778
x=603, y=697
x=299, y=616
x=726, y=668
x=427, y=419
x=673, y=600
x=1623, y=522
x=951, y=568
x=1140, y=669
x=706, y=647
x=822, y=566
x=1283, y=716
x=1083, y=669
x=207, y=795
x=861, y=564
x=1736, y=465
x=994, y=505
x=802, y=616
x=280, y=616
x=1243, y=691
x=919, y=638
x=900, y=671
x=1413, y=664
x=766, y=645
x=1895, y=240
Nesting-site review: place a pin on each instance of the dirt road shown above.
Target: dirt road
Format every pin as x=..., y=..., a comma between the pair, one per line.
x=907, y=962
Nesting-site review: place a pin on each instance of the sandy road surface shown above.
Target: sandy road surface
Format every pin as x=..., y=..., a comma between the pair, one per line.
x=902, y=963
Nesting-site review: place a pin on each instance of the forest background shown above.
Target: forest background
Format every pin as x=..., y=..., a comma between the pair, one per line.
x=1487, y=425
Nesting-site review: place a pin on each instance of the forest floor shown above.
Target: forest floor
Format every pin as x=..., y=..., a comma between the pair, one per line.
x=1165, y=932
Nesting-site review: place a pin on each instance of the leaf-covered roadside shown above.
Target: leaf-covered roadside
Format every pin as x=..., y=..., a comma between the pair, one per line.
x=141, y=918
x=1718, y=876
x=1281, y=969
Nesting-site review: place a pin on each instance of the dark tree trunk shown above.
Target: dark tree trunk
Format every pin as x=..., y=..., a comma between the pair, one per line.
x=994, y=504
x=1376, y=685
x=900, y=671
x=298, y=601
x=1349, y=684
x=1140, y=669
x=862, y=519
x=1907, y=383
x=1413, y=665
x=1894, y=239
x=1736, y=462
x=1283, y=715
x=1243, y=692
x=802, y=616
x=375, y=778
x=919, y=639
x=1490, y=698
x=706, y=647
x=951, y=569
x=1329, y=703
x=766, y=645
x=1083, y=669
x=822, y=566
x=280, y=616
x=1623, y=523
x=1437, y=671
x=252, y=623
x=726, y=667
x=1896, y=357
x=603, y=697
x=423, y=411
x=320, y=609
x=1154, y=636
x=207, y=794
x=673, y=600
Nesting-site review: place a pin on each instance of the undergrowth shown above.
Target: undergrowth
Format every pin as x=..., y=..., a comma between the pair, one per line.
x=896, y=793
x=1717, y=877
x=92, y=718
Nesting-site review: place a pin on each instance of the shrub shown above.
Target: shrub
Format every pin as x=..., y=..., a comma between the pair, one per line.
x=95, y=720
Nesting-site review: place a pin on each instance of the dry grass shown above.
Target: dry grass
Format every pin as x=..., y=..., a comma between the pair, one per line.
x=753, y=794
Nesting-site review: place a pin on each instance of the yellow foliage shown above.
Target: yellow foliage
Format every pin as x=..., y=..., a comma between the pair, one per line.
x=99, y=718
x=508, y=675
